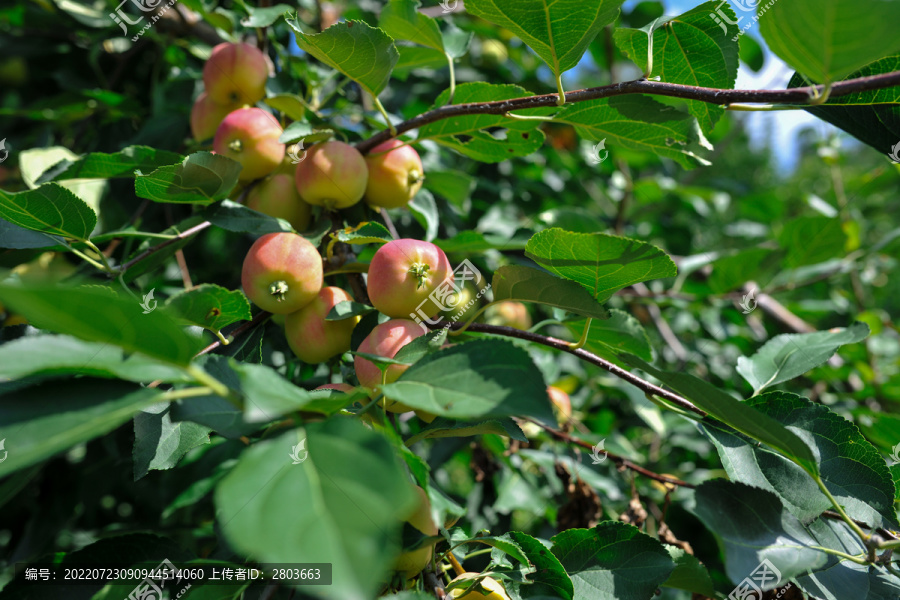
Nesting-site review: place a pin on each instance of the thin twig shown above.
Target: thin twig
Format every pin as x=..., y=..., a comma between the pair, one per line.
x=238, y=331
x=801, y=95
x=619, y=460
x=581, y=353
x=154, y=249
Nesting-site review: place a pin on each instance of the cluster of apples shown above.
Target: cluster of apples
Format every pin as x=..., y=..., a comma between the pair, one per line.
x=331, y=174
x=282, y=273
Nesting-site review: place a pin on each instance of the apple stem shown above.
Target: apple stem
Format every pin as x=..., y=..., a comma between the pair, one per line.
x=235, y=145
x=458, y=568
x=279, y=289
x=420, y=271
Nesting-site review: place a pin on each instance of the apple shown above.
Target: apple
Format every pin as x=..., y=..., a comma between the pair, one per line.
x=277, y=197
x=493, y=589
x=411, y=563
x=236, y=74
x=250, y=136
x=333, y=175
x=508, y=313
x=395, y=174
x=282, y=273
x=466, y=295
x=206, y=116
x=562, y=404
x=403, y=273
x=385, y=340
x=311, y=337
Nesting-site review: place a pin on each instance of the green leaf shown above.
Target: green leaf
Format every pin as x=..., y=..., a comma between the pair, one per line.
x=474, y=135
x=873, y=117
x=211, y=306
x=367, y=232
x=735, y=413
x=690, y=49
x=57, y=355
x=159, y=443
x=400, y=20
x=201, y=178
x=620, y=333
x=840, y=578
x=790, y=355
x=46, y=419
x=50, y=209
x=454, y=186
x=417, y=57
x=689, y=573
x=100, y=165
x=525, y=284
x=16, y=237
x=612, y=561
x=810, y=240
x=445, y=428
x=424, y=210
x=349, y=493
x=98, y=314
x=347, y=309
x=602, y=263
x=558, y=31
x=850, y=466
x=639, y=123
x=214, y=412
x=828, y=39
x=752, y=53
x=300, y=131
x=267, y=394
x=753, y=264
x=474, y=379
x=290, y=105
x=264, y=16
x=750, y=525
x=545, y=573
x=232, y=216
x=361, y=52
x=471, y=242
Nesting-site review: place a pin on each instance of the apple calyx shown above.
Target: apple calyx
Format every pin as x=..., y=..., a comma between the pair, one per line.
x=279, y=289
x=414, y=177
x=420, y=271
x=236, y=145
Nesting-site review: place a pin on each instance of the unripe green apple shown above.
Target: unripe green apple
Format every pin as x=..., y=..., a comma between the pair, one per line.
x=411, y=563
x=395, y=174
x=250, y=136
x=467, y=295
x=236, y=74
x=561, y=403
x=385, y=340
x=333, y=175
x=277, y=197
x=206, y=115
x=311, y=337
x=510, y=314
x=282, y=273
x=493, y=590
x=403, y=273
